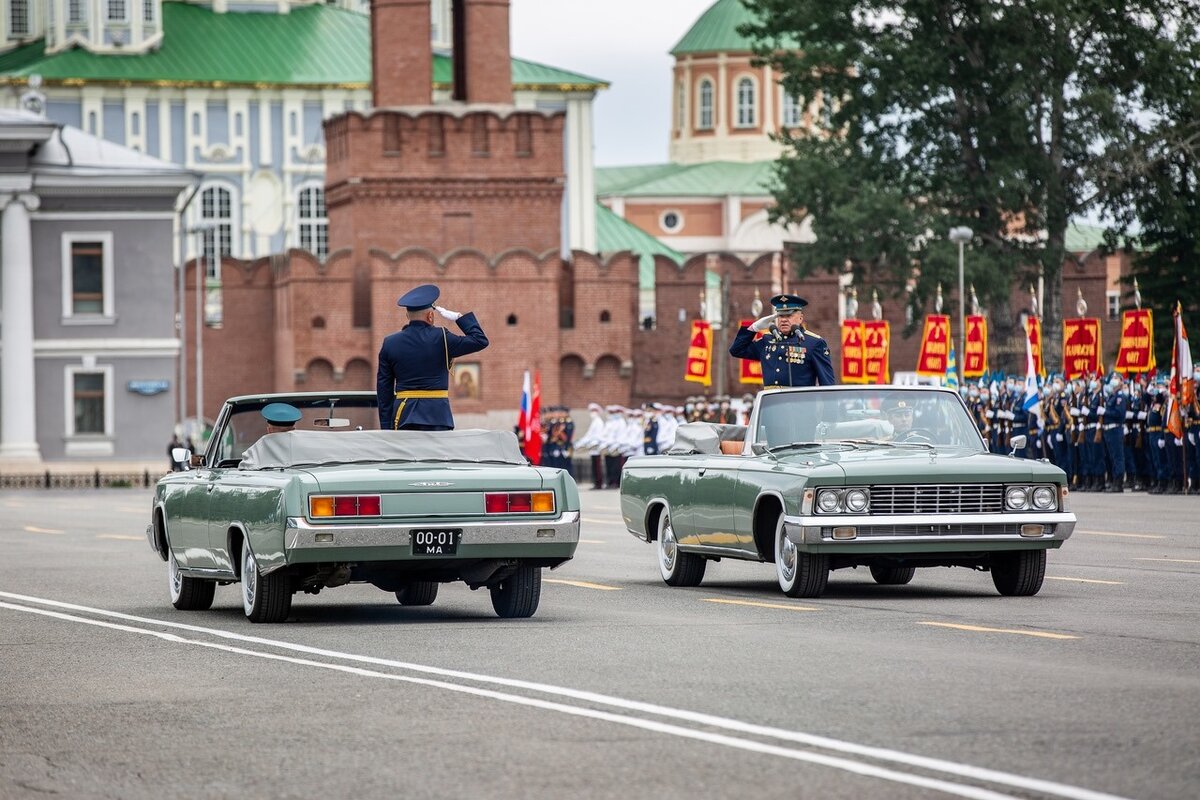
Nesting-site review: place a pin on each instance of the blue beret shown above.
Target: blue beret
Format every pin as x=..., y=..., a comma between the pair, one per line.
x=281, y=414
x=420, y=298
x=788, y=302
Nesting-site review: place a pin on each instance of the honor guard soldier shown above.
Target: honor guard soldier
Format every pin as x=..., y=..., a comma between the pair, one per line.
x=789, y=355
x=413, y=379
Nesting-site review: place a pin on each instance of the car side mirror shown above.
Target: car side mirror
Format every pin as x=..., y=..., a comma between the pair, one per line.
x=1018, y=443
x=758, y=448
x=180, y=455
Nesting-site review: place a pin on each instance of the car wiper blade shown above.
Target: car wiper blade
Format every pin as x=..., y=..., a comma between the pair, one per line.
x=803, y=445
x=877, y=443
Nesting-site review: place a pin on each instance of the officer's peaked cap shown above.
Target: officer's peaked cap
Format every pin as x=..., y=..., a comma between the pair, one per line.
x=281, y=414
x=420, y=298
x=788, y=302
x=897, y=402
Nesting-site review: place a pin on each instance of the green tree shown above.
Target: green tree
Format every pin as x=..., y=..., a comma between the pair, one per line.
x=935, y=113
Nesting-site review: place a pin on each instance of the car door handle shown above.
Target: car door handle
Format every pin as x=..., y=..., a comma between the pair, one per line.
x=211, y=486
x=703, y=470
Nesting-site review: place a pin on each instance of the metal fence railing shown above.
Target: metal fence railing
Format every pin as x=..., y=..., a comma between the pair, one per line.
x=94, y=479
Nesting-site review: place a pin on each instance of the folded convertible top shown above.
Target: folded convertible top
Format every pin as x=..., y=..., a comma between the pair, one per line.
x=315, y=448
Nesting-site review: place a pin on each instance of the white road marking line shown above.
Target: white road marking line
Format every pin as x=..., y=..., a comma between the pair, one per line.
x=1122, y=535
x=591, y=541
x=857, y=767
x=34, y=529
x=1172, y=560
x=124, y=537
x=708, y=720
x=599, y=521
x=583, y=584
x=982, y=629
x=1084, y=580
x=759, y=605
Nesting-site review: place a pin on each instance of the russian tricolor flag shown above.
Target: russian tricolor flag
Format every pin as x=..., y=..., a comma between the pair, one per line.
x=529, y=422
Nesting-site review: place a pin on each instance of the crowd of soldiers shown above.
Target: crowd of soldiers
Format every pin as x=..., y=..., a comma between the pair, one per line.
x=1108, y=435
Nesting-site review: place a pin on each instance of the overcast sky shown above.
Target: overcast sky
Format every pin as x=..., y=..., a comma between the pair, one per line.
x=624, y=42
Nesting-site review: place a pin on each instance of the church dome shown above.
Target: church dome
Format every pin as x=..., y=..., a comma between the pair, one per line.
x=716, y=30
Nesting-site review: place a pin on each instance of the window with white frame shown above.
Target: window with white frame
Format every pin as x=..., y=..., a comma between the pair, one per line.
x=148, y=11
x=792, y=110
x=680, y=115
x=314, y=224
x=87, y=275
x=216, y=220
x=704, y=105
x=1113, y=301
x=89, y=393
x=746, y=103
x=18, y=17
x=117, y=11
x=76, y=12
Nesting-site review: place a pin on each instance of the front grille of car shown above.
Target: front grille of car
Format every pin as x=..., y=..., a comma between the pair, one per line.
x=970, y=529
x=977, y=498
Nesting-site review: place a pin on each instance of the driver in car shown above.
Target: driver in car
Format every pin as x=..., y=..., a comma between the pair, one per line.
x=899, y=412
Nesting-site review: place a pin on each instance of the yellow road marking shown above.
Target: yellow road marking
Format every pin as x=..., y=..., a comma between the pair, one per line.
x=1084, y=580
x=33, y=529
x=591, y=541
x=132, y=510
x=1172, y=560
x=981, y=629
x=583, y=584
x=784, y=606
x=124, y=537
x=1122, y=535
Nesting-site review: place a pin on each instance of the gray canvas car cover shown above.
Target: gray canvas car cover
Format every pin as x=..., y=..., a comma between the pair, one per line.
x=705, y=437
x=314, y=448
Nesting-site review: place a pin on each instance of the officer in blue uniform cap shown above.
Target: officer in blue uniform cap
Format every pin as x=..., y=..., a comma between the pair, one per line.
x=413, y=379
x=790, y=355
x=280, y=417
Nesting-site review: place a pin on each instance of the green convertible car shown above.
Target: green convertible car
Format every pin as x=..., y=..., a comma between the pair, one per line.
x=333, y=502
x=888, y=478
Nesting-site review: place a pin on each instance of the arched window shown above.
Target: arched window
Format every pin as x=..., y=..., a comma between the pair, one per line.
x=216, y=222
x=314, y=224
x=704, y=105
x=746, y=103
x=791, y=110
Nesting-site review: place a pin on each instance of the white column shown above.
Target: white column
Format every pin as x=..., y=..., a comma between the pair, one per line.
x=581, y=186
x=18, y=434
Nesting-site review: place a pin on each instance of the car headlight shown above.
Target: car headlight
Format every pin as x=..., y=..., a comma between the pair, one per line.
x=857, y=500
x=827, y=500
x=1016, y=498
x=1043, y=498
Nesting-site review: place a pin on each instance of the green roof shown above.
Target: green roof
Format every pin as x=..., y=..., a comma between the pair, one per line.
x=716, y=30
x=313, y=46
x=614, y=234
x=713, y=178
x=1083, y=237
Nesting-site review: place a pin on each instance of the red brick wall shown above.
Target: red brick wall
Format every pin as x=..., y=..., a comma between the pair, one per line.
x=488, y=60
x=401, y=53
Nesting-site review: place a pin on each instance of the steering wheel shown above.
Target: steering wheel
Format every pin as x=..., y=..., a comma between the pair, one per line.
x=921, y=435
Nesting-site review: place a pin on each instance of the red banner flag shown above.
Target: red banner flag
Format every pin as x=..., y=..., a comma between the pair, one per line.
x=699, y=354
x=853, y=352
x=1136, y=353
x=935, y=346
x=750, y=370
x=529, y=421
x=1033, y=325
x=975, y=347
x=1081, y=347
x=1182, y=384
x=877, y=342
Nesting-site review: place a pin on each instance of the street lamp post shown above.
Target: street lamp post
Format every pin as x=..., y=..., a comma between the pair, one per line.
x=960, y=235
x=202, y=232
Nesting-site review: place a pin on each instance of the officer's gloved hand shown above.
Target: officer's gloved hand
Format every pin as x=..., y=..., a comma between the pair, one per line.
x=447, y=314
x=762, y=323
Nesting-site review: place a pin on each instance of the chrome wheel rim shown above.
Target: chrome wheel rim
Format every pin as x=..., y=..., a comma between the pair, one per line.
x=249, y=580
x=174, y=577
x=785, y=556
x=666, y=547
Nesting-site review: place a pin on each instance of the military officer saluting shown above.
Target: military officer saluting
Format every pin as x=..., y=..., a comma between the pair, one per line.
x=790, y=355
x=413, y=379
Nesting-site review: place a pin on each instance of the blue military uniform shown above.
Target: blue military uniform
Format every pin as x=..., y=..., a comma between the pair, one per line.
x=799, y=359
x=1113, y=433
x=413, y=379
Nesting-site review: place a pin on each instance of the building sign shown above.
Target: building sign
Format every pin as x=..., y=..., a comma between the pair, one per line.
x=1081, y=347
x=935, y=346
x=148, y=388
x=1136, y=353
x=975, y=347
x=699, y=354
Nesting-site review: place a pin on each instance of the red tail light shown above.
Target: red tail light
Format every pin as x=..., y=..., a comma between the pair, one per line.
x=344, y=505
x=369, y=506
x=519, y=503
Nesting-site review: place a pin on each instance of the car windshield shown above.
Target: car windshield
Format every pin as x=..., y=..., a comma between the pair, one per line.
x=879, y=416
x=246, y=425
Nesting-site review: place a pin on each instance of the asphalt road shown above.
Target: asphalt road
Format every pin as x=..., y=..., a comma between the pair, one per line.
x=619, y=687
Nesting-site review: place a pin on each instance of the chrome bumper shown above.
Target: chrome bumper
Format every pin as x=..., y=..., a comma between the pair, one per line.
x=917, y=529
x=300, y=534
